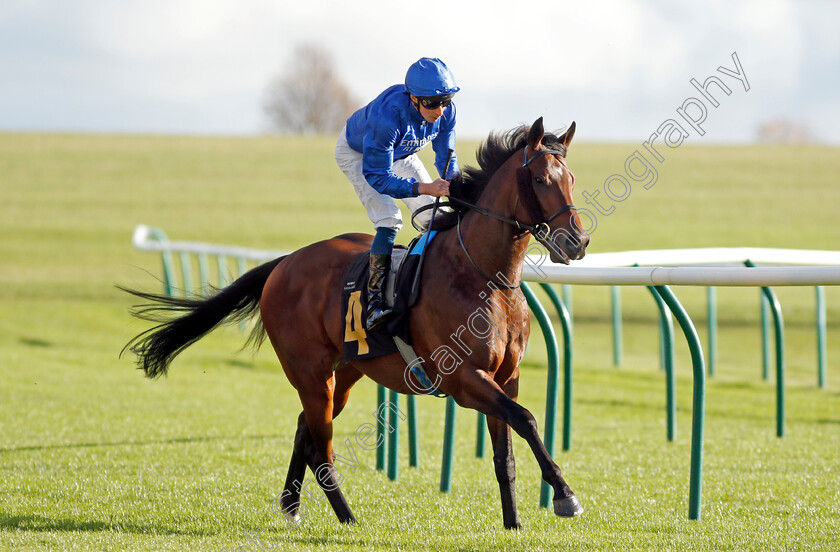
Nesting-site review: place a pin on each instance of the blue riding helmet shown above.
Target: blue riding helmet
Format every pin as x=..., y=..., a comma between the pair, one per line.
x=430, y=77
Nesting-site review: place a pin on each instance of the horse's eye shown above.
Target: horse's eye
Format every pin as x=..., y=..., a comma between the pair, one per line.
x=540, y=180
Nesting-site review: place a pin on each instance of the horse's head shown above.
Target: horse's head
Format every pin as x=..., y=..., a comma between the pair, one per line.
x=545, y=190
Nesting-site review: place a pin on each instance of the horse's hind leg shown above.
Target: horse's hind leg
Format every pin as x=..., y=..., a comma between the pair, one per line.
x=308, y=452
x=319, y=414
x=290, y=499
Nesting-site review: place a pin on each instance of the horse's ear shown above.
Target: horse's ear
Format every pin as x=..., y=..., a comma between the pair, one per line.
x=535, y=135
x=566, y=139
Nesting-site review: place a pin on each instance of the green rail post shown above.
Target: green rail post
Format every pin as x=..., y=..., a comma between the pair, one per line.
x=448, y=445
x=666, y=333
x=480, y=435
x=711, y=310
x=779, y=325
x=698, y=413
x=166, y=261
x=616, y=319
x=394, y=441
x=821, y=344
x=765, y=332
x=382, y=433
x=223, y=273
x=186, y=273
x=168, y=276
x=413, y=449
x=566, y=324
x=776, y=309
x=567, y=299
x=552, y=385
x=203, y=272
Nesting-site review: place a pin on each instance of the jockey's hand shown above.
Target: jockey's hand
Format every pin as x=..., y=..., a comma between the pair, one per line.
x=439, y=187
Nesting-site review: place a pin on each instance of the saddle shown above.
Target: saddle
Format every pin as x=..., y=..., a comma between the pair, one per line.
x=397, y=294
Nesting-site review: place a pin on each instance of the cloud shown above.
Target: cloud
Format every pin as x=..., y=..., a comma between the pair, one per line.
x=617, y=66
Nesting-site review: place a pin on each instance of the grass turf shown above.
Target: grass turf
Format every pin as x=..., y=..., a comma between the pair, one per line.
x=92, y=456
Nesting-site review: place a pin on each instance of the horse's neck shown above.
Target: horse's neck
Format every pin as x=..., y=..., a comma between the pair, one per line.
x=497, y=247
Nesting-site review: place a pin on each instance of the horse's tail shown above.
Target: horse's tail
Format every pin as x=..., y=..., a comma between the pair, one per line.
x=157, y=347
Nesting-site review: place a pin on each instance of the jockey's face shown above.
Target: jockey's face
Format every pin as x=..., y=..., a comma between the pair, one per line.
x=429, y=115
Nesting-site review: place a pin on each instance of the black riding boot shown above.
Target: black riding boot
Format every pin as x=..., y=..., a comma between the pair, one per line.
x=377, y=311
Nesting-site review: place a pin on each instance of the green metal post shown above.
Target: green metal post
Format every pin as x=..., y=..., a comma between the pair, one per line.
x=448, y=445
x=552, y=385
x=381, y=432
x=617, y=329
x=821, y=343
x=663, y=345
x=222, y=260
x=776, y=309
x=711, y=309
x=699, y=400
x=765, y=340
x=413, y=449
x=166, y=260
x=566, y=325
x=567, y=299
x=666, y=333
x=203, y=271
x=394, y=441
x=480, y=435
x=168, y=275
x=186, y=273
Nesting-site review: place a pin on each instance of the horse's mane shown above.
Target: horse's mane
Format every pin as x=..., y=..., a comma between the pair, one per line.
x=491, y=155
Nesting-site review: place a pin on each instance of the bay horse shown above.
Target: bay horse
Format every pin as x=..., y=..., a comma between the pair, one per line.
x=522, y=187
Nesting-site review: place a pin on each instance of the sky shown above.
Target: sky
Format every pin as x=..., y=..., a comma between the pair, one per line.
x=619, y=68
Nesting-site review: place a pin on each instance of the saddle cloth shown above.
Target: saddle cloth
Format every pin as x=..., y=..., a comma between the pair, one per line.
x=358, y=341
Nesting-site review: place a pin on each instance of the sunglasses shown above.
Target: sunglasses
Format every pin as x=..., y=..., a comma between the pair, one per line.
x=434, y=102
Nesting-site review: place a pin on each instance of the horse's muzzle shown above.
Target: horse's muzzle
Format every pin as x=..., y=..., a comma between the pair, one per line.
x=565, y=247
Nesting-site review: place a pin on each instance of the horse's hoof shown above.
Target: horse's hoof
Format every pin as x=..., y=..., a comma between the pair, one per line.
x=567, y=507
x=292, y=518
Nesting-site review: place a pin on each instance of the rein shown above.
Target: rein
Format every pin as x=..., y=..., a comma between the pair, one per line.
x=475, y=265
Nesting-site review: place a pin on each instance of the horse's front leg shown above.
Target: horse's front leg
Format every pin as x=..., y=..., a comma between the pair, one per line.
x=479, y=392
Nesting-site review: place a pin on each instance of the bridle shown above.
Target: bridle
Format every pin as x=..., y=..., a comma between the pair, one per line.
x=523, y=176
x=540, y=230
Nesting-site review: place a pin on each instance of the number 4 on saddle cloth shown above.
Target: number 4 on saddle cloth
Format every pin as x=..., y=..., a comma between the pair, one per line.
x=358, y=341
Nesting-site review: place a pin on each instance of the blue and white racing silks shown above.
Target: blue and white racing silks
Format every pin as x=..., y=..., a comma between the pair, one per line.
x=390, y=128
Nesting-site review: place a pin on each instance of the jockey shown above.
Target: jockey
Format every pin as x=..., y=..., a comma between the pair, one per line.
x=377, y=151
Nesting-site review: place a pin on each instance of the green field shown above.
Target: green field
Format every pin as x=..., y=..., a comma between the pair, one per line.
x=95, y=457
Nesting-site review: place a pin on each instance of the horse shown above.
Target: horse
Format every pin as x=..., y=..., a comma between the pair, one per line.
x=521, y=188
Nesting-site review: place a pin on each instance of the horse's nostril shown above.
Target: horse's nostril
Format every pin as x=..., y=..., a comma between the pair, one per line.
x=584, y=242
